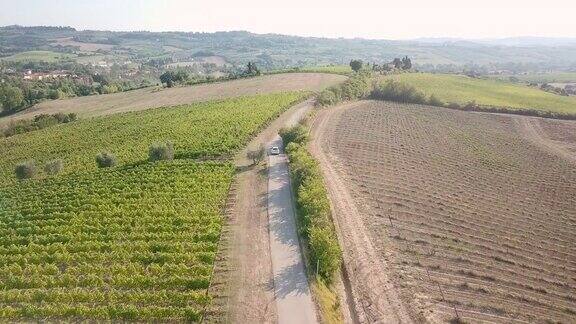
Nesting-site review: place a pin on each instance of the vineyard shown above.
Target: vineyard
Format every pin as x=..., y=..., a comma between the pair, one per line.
x=462, y=90
x=208, y=129
x=133, y=243
x=474, y=221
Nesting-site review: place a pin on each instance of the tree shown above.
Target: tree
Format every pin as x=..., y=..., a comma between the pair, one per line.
x=252, y=69
x=168, y=78
x=11, y=98
x=171, y=77
x=397, y=63
x=256, y=155
x=161, y=151
x=406, y=63
x=102, y=79
x=25, y=170
x=105, y=160
x=54, y=166
x=356, y=65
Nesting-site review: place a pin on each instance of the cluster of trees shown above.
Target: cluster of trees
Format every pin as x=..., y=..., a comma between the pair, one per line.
x=357, y=86
x=17, y=94
x=171, y=78
x=315, y=220
x=404, y=64
x=38, y=122
x=11, y=98
x=557, y=90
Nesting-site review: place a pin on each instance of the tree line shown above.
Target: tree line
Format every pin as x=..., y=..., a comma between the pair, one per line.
x=403, y=64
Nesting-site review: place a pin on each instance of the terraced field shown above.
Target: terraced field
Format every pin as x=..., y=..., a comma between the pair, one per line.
x=471, y=215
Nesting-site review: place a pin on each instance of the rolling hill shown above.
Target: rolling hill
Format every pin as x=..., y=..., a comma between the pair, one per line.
x=462, y=89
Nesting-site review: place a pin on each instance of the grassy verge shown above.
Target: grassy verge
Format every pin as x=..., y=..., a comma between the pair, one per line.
x=322, y=251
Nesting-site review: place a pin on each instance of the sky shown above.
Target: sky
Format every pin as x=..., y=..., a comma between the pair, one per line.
x=375, y=19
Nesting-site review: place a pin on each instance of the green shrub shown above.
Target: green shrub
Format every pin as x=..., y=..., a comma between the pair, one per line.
x=398, y=91
x=105, y=160
x=328, y=97
x=325, y=252
x=25, y=170
x=313, y=202
x=434, y=101
x=54, y=166
x=296, y=134
x=161, y=151
x=314, y=217
x=357, y=86
x=454, y=105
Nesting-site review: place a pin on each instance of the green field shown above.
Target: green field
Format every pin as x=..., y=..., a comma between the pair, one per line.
x=462, y=89
x=134, y=242
x=38, y=56
x=337, y=69
x=124, y=243
x=207, y=129
x=555, y=77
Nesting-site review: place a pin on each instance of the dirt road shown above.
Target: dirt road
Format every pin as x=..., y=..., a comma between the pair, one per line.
x=293, y=298
x=531, y=128
x=375, y=296
x=244, y=284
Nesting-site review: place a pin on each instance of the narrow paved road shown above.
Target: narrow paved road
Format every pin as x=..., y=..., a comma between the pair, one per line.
x=293, y=299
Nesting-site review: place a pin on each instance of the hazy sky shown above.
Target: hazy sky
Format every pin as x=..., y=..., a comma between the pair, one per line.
x=331, y=18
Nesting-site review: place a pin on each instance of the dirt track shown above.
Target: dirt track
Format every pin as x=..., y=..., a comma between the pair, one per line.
x=150, y=98
x=532, y=128
x=374, y=293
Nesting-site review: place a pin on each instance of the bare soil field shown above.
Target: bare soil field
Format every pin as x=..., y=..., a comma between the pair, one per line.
x=458, y=214
x=154, y=97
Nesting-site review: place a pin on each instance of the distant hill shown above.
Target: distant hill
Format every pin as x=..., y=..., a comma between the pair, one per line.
x=273, y=51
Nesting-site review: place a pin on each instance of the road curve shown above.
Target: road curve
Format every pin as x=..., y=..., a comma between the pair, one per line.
x=293, y=299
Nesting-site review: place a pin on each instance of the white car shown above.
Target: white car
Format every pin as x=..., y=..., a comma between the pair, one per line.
x=274, y=150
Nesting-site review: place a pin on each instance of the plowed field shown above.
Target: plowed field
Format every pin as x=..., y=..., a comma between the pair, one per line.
x=473, y=215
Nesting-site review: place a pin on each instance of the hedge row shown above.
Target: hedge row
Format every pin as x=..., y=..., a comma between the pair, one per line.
x=313, y=206
x=357, y=86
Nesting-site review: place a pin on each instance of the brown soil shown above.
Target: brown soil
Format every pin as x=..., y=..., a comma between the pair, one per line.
x=98, y=105
x=454, y=213
x=375, y=296
x=556, y=137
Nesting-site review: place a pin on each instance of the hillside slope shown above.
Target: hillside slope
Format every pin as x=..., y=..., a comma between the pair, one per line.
x=462, y=89
x=151, y=97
